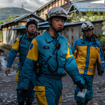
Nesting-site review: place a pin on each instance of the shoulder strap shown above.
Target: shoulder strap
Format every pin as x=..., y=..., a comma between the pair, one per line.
x=56, y=47
x=19, y=43
x=20, y=39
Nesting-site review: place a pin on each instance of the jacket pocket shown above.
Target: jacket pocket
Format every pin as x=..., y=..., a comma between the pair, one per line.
x=41, y=96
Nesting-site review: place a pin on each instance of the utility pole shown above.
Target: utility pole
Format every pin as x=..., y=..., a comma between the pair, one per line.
x=22, y=6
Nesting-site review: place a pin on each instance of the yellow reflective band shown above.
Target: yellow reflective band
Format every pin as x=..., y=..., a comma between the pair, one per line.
x=16, y=44
x=17, y=75
x=60, y=98
x=41, y=96
x=68, y=53
x=93, y=80
x=33, y=50
x=89, y=72
x=75, y=53
x=99, y=58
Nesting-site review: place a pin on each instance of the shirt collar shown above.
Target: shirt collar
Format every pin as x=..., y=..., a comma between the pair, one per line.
x=28, y=37
x=86, y=38
x=48, y=36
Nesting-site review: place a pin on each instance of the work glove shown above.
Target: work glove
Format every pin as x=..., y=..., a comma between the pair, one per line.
x=100, y=73
x=25, y=95
x=100, y=68
x=80, y=85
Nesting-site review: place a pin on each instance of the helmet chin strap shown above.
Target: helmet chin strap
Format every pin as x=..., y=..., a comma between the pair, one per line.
x=30, y=34
x=55, y=31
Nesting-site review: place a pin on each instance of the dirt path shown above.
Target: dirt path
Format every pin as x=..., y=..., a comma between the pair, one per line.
x=8, y=87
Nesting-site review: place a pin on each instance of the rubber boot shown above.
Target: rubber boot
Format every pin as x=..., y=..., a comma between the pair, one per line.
x=28, y=103
x=86, y=102
x=79, y=103
x=21, y=103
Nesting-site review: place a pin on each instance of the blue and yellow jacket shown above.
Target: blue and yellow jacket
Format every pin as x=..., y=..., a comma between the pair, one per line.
x=87, y=52
x=42, y=47
x=19, y=46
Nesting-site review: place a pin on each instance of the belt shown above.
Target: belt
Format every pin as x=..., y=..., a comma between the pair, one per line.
x=56, y=77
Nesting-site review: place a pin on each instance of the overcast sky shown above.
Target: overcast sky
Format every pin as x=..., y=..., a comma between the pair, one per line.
x=31, y=5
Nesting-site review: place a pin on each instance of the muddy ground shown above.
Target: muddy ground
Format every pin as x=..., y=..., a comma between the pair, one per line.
x=8, y=87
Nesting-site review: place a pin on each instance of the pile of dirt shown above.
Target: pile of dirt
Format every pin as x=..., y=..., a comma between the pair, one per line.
x=5, y=46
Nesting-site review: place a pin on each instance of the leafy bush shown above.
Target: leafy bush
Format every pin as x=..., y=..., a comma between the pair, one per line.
x=0, y=36
x=102, y=41
x=89, y=16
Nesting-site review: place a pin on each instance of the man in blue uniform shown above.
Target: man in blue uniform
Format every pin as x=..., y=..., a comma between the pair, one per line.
x=87, y=52
x=50, y=54
x=21, y=45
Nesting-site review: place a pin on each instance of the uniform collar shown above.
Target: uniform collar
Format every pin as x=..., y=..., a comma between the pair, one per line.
x=48, y=37
x=28, y=37
x=25, y=36
x=88, y=39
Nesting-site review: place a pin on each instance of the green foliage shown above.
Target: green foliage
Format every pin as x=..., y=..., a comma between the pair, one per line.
x=0, y=36
x=1, y=23
x=102, y=41
x=11, y=17
x=6, y=12
x=103, y=28
x=88, y=16
x=74, y=17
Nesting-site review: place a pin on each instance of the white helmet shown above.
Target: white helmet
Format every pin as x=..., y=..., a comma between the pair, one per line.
x=87, y=26
x=32, y=21
x=57, y=11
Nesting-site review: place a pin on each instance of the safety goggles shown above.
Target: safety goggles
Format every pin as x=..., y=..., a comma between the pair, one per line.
x=88, y=28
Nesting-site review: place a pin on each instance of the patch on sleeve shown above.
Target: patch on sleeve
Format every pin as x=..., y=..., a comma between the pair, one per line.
x=31, y=46
x=46, y=47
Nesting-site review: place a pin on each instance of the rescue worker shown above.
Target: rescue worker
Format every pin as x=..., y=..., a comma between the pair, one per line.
x=50, y=54
x=21, y=45
x=87, y=52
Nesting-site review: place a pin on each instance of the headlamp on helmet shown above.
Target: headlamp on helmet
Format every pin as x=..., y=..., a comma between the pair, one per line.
x=32, y=21
x=87, y=26
x=57, y=12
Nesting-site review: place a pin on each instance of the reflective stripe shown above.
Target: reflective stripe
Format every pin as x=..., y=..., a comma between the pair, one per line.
x=102, y=61
x=68, y=55
x=87, y=71
x=91, y=70
x=17, y=75
x=60, y=98
x=81, y=69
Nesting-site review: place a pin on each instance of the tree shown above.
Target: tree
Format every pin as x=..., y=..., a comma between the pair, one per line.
x=11, y=18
